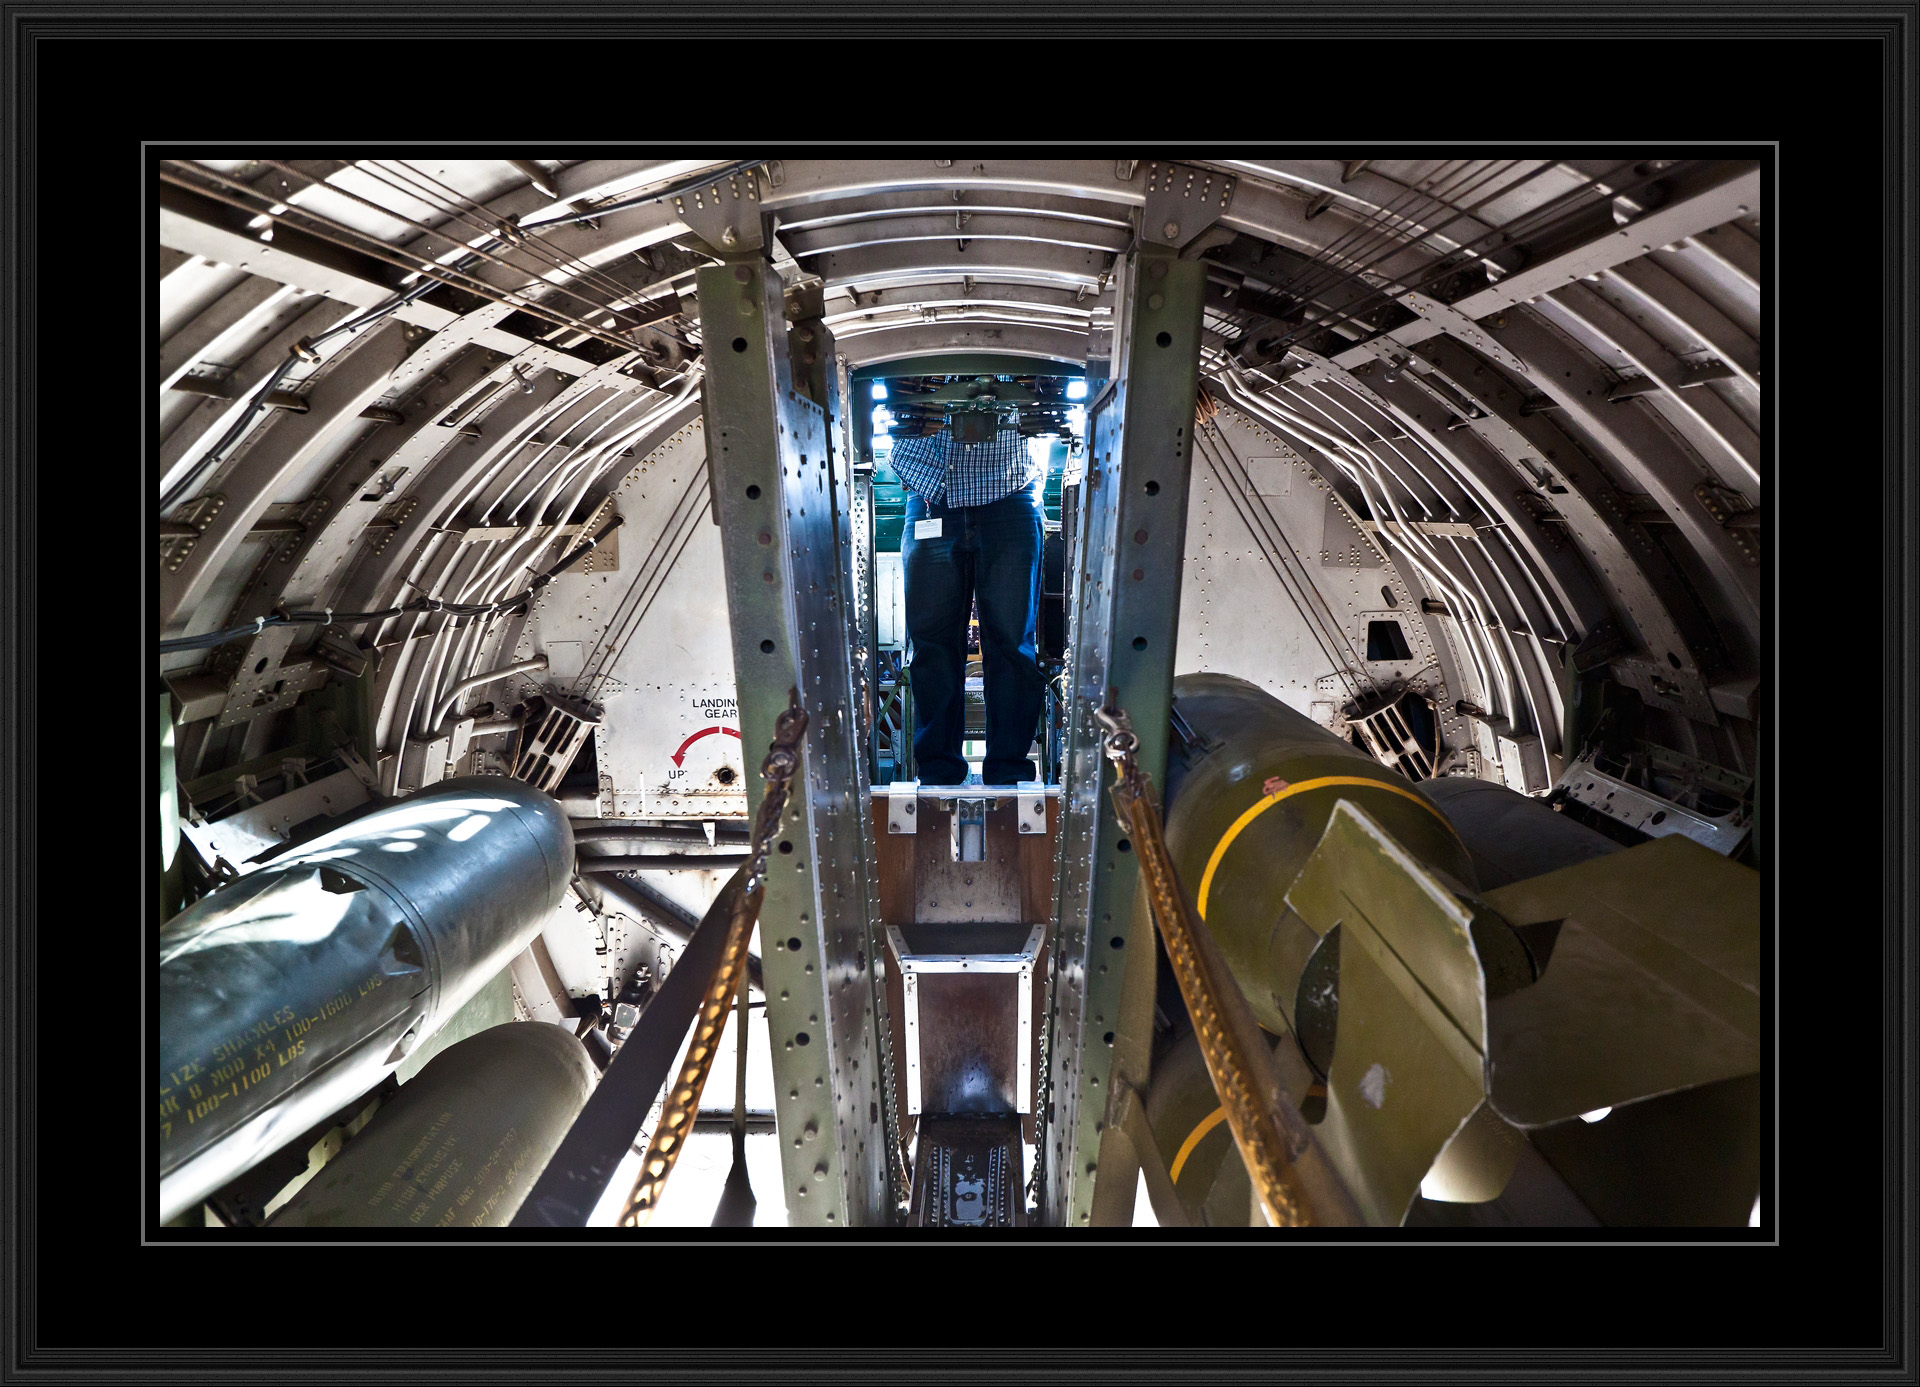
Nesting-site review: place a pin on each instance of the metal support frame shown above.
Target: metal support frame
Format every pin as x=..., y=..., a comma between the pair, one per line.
x=779, y=493
x=1133, y=521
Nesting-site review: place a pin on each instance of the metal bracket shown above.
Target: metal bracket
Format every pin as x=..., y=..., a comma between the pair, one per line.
x=199, y=513
x=910, y=991
x=903, y=806
x=969, y=830
x=1735, y=516
x=725, y=213
x=1031, y=807
x=1183, y=200
x=1584, y=783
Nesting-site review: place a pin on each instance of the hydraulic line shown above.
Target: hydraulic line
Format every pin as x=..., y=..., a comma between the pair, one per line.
x=419, y=184
x=1465, y=565
x=581, y=474
x=425, y=230
x=1513, y=666
x=1356, y=464
x=475, y=681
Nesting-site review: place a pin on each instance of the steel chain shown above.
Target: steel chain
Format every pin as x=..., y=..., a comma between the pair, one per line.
x=897, y=1168
x=683, y=1099
x=1289, y=1172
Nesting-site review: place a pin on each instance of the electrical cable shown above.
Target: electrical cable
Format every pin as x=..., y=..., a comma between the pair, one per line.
x=419, y=184
x=685, y=185
x=419, y=604
x=364, y=243
x=1531, y=223
x=1381, y=240
x=485, y=254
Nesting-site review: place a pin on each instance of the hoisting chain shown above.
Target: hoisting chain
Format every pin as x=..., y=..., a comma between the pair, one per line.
x=683, y=1099
x=898, y=1169
x=1289, y=1173
x=1042, y=1100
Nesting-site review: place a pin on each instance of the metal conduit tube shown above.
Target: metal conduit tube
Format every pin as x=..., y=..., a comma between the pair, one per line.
x=474, y=681
x=1361, y=467
x=602, y=831
x=664, y=861
x=287, y=994
x=494, y=578
x=1261, y=407
x=1541, y=723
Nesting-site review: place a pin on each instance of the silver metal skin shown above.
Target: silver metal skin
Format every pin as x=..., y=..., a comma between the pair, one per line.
x=293, y=990
x=1134, y=523
x=780, y=496
x=472, y=1132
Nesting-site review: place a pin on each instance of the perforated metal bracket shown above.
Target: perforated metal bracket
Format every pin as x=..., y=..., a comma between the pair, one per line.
x=903, y=806
x=196, y=514
x=1031, y=807
x=725, y=213
x=1183, y=200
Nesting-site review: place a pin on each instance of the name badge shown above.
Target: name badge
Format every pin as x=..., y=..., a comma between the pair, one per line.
x=926, y=529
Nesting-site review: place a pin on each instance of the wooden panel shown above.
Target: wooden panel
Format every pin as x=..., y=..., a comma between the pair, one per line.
x=1037, y=855
x=969, y=1029
x=894, y=852
x=947, y=891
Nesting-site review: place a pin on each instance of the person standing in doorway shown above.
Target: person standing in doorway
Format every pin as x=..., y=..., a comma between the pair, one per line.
x=973, y=535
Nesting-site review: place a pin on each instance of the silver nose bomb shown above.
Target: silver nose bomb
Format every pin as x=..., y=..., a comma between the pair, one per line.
x=292, y=991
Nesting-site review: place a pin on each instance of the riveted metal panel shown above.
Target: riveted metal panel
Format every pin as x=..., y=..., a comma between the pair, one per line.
x=776, y=494
x=1134, y=520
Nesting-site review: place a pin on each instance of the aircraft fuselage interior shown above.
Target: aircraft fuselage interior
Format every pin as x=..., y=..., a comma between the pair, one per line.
x=543, y=837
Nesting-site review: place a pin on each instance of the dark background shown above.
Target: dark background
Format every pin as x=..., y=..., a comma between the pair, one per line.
x=95, y=83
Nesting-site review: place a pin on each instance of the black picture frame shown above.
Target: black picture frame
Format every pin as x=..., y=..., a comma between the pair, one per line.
x=88, y=1297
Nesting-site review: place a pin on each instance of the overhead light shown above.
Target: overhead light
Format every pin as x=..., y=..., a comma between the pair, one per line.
x=1077, y=388
x=1595, y=1115
x=879, y=391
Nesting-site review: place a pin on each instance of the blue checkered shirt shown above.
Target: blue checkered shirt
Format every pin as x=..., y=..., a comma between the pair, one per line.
x=944, y=473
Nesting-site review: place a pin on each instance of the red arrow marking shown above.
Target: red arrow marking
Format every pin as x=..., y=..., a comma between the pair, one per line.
x=680, y=756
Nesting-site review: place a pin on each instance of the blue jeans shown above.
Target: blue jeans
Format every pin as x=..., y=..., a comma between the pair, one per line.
x=990, y=555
